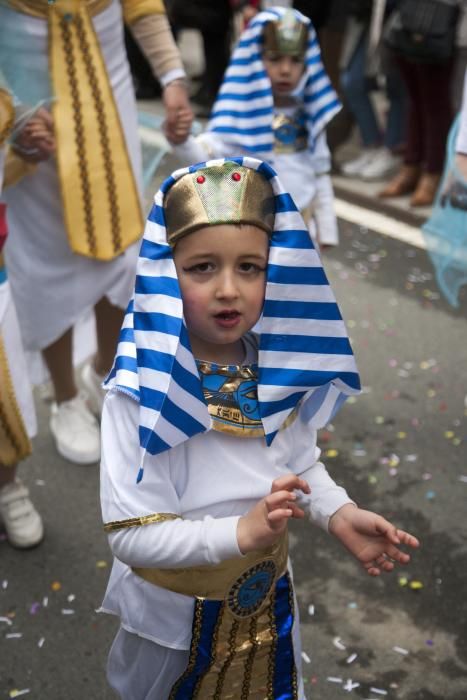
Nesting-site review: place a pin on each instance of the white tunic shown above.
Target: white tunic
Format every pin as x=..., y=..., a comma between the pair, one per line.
x=52, y=286
x=210, y=480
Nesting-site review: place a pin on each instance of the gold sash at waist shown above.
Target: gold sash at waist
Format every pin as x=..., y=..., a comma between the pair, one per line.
x=214, y=582
x=101, y=204
x=41, y=8
x=14, y=441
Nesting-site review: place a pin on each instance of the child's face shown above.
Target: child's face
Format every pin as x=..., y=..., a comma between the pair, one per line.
x=222, y=275
x=284, y=72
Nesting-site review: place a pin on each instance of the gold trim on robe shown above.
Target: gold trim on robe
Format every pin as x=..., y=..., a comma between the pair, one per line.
x=7, y=115
x=14, y=441
x=137, y=522
x=102, y=210
x=135, y=9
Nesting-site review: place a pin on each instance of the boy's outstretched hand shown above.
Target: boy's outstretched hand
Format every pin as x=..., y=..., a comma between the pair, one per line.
x=263, y=525
x=372, y=540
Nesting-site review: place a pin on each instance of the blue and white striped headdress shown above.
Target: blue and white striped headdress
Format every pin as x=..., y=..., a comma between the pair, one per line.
x=244, y=108
x=304, y=350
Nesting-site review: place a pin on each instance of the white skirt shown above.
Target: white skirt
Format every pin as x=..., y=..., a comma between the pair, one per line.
x=52, y=287
x=10, y=336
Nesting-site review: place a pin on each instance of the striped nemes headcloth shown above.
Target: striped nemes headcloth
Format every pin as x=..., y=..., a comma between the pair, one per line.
x=304, y=351
x=243, y=112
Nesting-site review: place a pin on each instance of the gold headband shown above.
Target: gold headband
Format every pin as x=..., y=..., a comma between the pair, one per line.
x=219, y=194
x=287, y=36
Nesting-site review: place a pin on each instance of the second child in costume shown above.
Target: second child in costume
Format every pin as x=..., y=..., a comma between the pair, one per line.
x=209, y=441
x=274, y=104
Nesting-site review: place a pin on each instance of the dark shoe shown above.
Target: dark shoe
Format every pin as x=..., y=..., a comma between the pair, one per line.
x=425, y=192
x=403, y=183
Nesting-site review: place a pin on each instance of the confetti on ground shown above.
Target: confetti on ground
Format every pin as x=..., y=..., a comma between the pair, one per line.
x=34, y=609
x=350, y=685
x=305, y=657
x=67, y=611
x=331, y=453
x=463, y=478
x=311, y=610
x=70, y=598
x=40, y=643
x=17, y=693
x=378, y=691
x=101, y=564
x=416, y=585
x=401, y=650
x=4, y=584
x=333, y=679
x=6, y=620
x=45, y=602
x=13, y=635
x=338, y=644
x=350, y=659
x=55, y=585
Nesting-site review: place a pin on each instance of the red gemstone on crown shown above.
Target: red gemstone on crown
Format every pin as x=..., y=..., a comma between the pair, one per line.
x=200, y=179
x=236, y=177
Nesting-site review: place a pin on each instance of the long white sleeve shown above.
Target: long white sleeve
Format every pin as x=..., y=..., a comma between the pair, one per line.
x=323, y=211
x=173, y=543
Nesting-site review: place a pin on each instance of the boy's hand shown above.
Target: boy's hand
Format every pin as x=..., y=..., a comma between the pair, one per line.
x=266, y=521
x=372, y=540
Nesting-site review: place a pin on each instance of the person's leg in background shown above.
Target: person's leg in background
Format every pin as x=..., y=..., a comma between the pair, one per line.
x=355, y=87
x=405, y=181
x=437, y=114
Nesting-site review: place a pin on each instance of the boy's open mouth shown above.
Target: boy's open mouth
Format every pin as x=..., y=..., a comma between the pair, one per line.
x=227, y=315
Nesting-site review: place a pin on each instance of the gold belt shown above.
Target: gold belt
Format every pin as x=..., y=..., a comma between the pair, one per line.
x=243, y=582
x=14, y=441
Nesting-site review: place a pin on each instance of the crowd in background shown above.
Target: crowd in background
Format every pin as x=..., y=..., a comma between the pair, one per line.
x=400, y=101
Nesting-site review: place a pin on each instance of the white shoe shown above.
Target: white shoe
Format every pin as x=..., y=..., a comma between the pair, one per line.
x=22, y=522
x=93, y=384
x=76, y=431
x=355, y=166
x=382, y=165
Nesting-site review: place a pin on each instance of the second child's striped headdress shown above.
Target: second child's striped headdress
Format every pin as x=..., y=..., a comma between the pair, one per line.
x=304, y=351
x=244, y=108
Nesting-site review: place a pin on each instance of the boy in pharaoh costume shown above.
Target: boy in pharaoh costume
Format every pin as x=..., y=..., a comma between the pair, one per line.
x=76, y=220
x=209, y=441
x=274, y=103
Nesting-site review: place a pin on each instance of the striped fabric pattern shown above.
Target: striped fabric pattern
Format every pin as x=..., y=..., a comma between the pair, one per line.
x=244, y=108
x=304, y=350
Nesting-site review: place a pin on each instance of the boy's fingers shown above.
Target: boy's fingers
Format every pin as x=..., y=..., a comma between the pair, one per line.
x=289, y=482
x=408, y=539
x=279, y=514
x=279, y=499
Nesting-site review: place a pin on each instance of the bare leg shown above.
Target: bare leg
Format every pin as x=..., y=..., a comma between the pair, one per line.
x=7, y=475
x=59, y=360
x=108, y=323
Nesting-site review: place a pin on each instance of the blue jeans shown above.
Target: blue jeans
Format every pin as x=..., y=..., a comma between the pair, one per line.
x=356, y=88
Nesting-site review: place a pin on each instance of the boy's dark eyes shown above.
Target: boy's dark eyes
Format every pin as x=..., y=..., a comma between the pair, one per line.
x=205, y=267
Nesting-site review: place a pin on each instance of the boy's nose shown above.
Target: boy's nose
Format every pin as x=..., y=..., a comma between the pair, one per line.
x=227, y=287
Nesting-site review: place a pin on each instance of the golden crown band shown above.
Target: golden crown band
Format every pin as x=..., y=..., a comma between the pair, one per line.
x=218, y=194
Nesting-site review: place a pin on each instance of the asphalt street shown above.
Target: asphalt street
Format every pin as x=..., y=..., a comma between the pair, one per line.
x=399, y=448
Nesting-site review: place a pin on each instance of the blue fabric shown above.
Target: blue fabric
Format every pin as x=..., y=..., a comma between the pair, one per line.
x=446, y=230
x=284, y=666
x=209, y=615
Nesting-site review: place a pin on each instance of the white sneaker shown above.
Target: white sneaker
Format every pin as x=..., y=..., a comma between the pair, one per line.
x=355, y=166
x=93, y=385
x=382, y=165
x=23, y=524
x=76, y=431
